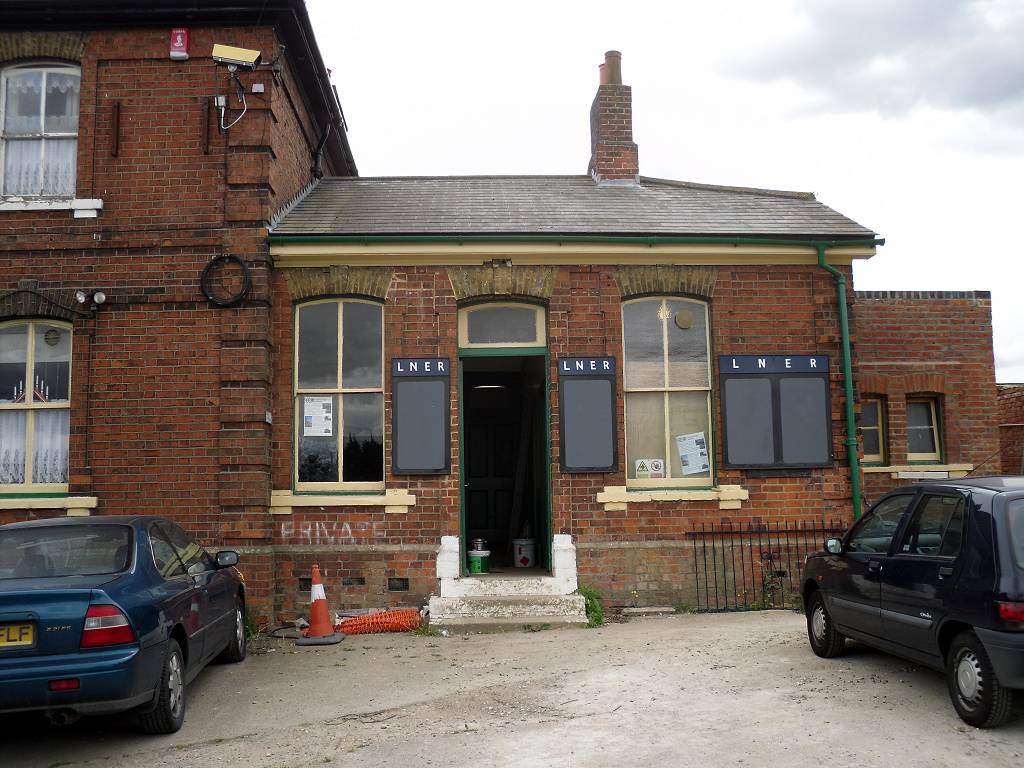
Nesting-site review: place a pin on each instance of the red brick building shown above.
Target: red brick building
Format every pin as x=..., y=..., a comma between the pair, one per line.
x=119, y=179
x=926, y=381
x=578, y=370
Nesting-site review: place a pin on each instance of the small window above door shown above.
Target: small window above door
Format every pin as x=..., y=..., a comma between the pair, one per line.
x=502, y=324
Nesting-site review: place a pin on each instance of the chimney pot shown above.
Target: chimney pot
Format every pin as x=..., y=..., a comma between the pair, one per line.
x=602, y=74
x=613, y=67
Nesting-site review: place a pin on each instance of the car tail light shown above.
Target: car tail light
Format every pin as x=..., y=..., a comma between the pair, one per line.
x=67, y=684
x=1011, y=611
x=106, y=625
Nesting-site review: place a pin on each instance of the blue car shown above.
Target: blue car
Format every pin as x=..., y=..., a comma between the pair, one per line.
x=110, y=614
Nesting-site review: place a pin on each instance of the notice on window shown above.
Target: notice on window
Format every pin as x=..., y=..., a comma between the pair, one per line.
x=318, y=418
x=693, y=453
x=650, y=469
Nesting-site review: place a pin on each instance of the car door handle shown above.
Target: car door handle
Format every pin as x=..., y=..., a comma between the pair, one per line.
x=945, y=571
x=874, y=566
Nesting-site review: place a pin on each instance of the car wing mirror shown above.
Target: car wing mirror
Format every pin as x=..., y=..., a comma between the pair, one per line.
x=834, y=546
x=226, y=558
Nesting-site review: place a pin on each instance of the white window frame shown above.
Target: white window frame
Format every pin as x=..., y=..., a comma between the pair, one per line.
x=671, y=482
x=339, y=392
x=44, y=67
x=31, y=406
x=933, y=403
x=880, y=457
x=539, y=317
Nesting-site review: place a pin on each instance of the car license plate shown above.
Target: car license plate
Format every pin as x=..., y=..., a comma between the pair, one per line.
x=16, y=635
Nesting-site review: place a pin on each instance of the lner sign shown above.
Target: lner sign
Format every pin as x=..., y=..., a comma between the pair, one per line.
x=773, y=364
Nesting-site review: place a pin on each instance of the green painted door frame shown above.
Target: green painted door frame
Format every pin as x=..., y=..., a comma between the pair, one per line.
x=503, y=352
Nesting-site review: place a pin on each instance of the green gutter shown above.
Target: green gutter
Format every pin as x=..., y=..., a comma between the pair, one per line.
x=819, y=245
x=851, y=426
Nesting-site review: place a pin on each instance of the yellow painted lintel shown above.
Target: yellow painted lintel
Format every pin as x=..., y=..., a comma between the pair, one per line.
x=542, y=254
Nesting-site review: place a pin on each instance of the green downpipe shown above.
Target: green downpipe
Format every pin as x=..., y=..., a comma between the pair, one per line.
x=851, y=425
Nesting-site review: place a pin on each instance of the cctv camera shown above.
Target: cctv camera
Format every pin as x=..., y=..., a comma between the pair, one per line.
x=236, y=57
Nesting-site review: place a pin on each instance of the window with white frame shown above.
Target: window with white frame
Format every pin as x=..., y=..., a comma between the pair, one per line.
x=923, y=431
x=873, y=429
x=667, y=381
x=35, y=405
x=339, y=395
x=39, y=129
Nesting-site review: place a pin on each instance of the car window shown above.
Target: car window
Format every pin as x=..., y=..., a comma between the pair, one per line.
x=194, y=556
x=64, y=550
x=875, y=530
x=164, y=557
x=936, y=528
x=1015, y=515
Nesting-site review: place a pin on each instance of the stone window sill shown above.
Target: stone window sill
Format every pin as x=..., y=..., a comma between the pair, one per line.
x=394, y=501
x=922, y=471
x=84, y=208
x=75, y=506
x=618, y=497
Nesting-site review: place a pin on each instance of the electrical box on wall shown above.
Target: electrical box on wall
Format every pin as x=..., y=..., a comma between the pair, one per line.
x=179, y=44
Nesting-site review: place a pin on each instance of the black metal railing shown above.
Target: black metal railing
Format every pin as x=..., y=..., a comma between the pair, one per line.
x=753, y=566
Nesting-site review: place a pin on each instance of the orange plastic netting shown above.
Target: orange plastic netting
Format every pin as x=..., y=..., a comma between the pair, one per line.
x=402, y=620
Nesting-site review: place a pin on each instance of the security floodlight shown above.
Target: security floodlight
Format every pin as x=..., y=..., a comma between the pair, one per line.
x=236, y=57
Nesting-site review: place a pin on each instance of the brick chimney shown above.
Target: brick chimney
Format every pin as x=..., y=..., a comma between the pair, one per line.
x=613, y=155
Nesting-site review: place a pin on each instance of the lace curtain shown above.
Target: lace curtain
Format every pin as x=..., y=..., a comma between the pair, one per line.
x=12, y=447
x=50, y=446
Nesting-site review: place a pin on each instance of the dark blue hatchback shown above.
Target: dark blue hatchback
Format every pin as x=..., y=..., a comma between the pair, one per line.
x=933, y=573
x=110, y=614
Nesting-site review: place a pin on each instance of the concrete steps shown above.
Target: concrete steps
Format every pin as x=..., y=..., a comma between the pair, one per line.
x=507, y=612
x=507, y=601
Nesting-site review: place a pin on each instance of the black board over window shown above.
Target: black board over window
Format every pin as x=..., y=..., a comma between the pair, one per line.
x=776, y=411
x=421, y=416
x=586, y=397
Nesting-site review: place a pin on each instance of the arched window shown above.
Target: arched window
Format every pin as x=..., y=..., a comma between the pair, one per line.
x=339, y=395
x=667, y=379
x=35, y=405
x=39, y=129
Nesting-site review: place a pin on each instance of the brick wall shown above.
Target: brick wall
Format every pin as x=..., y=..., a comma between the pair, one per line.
x=643, y=549
x=1011, y=428
x=930, y=343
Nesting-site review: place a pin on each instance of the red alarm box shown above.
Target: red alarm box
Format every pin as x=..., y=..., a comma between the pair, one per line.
x=179, y=44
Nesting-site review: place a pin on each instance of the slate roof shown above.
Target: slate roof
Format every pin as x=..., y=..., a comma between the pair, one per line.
x=439, y=205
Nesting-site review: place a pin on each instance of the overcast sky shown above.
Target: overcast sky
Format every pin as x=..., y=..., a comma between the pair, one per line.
x=905, y=115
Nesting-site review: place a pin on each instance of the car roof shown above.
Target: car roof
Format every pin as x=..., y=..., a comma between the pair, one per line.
x=994, y=483
x=91, y=520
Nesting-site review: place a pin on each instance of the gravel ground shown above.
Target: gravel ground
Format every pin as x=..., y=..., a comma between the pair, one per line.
x=708, y=690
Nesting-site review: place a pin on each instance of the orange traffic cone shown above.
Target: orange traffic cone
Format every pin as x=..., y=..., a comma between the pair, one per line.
x=321, y=628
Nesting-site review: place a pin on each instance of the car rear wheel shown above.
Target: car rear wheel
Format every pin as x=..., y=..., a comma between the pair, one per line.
x=821, y=631
x=977, y=696
x=169, y=712
x=236, y=647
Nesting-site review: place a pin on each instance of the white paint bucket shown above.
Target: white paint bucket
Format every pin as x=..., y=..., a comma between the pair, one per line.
x=523, y=554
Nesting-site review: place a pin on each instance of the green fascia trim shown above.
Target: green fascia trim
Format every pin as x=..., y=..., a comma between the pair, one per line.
x=811, y=242
x=43, y=495
x=503, y=352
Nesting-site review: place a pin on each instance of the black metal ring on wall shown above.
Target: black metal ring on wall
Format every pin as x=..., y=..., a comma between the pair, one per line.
x=236, y=298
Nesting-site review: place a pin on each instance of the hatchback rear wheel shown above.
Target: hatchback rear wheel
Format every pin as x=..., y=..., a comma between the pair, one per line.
x=821, y=631
x=977, y=696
